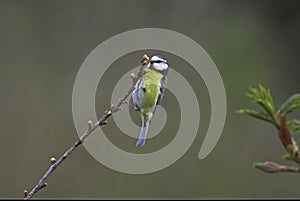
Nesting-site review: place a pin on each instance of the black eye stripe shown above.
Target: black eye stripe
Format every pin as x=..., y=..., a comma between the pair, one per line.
x=157, y=61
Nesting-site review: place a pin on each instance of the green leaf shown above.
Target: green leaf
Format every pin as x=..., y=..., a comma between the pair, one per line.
x=260, y=115
x=287, y=156
x=290, y=105
x=263, y=97
x=294, y=125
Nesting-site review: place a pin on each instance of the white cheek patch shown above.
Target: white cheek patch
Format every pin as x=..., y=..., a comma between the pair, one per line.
x=160, y=66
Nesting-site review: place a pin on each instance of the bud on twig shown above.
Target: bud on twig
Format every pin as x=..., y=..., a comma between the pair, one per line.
x=53, y=160
x=44, y=185
x=25, y=193
x=90, y=124
x=272, y=167
x=102, y=123
x=133, y=77
x=145, y=60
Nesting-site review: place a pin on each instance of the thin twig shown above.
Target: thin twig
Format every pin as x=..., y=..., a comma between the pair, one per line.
x=91, y=127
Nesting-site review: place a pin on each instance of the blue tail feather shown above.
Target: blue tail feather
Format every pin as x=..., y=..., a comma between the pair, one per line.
x=143, y=134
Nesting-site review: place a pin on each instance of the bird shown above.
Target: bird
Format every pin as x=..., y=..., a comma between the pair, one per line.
x=148, y=93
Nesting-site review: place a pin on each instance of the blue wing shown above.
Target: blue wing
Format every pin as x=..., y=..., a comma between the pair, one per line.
x=138, y=93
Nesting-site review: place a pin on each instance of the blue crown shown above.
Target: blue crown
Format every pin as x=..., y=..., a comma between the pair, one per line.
x=161, y=57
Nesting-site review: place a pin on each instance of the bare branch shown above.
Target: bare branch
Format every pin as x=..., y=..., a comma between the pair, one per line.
x=91, y=127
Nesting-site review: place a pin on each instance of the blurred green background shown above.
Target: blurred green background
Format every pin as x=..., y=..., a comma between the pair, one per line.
x=43, y=44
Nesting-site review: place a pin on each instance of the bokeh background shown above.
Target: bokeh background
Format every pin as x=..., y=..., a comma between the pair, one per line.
x=43, y=44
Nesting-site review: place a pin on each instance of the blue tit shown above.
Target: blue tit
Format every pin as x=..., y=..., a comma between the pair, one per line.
x=148, y=93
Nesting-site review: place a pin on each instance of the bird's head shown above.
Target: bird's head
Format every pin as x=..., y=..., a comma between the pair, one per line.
x=158, y=63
